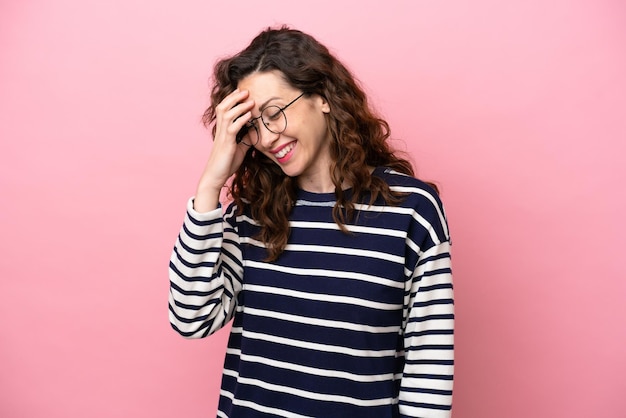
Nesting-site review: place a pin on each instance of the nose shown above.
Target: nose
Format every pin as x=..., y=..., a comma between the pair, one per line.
x=267, y=138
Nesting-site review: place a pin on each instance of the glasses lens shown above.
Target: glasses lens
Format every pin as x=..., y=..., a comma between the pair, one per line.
x=242, y=134
x=274, y=119
x=248, y=135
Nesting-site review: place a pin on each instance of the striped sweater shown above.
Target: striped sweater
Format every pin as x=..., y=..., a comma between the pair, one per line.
x=356, y=324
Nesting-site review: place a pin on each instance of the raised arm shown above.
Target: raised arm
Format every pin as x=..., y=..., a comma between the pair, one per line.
x=205, y=267
x=205, y=273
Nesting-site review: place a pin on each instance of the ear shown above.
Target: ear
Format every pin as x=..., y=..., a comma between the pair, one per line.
x=323, y=104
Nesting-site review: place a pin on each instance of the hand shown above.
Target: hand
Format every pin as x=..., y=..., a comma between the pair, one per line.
x=226, y=156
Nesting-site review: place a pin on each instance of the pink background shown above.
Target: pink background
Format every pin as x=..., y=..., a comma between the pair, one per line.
x=517, y=109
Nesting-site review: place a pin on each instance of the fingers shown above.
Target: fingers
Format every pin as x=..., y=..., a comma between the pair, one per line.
x=233, y=113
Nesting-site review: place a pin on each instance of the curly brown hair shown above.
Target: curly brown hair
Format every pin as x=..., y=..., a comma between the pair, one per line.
x=359, y=135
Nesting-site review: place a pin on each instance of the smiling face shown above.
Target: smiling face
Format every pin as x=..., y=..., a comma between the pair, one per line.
x=302, y=150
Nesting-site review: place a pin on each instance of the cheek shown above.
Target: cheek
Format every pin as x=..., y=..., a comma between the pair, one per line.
x=317, y=126
x=311, y=125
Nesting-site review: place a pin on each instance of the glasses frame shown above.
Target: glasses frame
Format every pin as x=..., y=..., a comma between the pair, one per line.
x=250, y=124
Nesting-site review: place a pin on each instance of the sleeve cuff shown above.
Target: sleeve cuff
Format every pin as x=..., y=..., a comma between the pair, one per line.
x=203, y=216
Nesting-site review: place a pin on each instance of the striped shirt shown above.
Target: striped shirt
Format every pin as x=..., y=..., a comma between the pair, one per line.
x=356, y=324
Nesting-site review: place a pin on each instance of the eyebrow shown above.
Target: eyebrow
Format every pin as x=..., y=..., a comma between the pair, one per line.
x=265, y=103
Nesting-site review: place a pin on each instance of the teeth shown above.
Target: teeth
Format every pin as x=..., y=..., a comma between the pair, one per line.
x=284, y=151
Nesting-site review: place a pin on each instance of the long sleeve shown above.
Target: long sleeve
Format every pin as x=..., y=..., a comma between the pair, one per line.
x=426, y=388
x=205, y=273
x=356, y=324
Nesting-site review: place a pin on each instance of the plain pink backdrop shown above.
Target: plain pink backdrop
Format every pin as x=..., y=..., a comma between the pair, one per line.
x=517, y=109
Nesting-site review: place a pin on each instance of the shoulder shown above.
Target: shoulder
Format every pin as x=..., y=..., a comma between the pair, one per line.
x=408, y=185
x=418, y=196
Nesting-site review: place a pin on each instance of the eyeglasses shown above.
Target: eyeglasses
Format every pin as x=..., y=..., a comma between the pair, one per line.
x=274, y=120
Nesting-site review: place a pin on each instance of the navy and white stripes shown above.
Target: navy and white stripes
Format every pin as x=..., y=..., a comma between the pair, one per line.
x=342, y=324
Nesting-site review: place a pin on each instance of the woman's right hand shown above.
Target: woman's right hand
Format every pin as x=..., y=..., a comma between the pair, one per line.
x=226, y=155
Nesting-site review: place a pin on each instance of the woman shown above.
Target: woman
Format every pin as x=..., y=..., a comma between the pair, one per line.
x=332, y=260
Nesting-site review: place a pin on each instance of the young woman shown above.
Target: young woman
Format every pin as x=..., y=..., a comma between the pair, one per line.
x=332, y=260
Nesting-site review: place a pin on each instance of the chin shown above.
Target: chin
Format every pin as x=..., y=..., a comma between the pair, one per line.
x=290, y=172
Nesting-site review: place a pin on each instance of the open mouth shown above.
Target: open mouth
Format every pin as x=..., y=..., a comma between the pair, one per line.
x=285, y=151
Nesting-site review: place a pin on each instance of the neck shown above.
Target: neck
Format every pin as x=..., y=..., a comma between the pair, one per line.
x=321, y=183
x=316, y=184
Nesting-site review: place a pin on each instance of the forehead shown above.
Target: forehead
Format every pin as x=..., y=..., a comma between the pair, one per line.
x=265, y=85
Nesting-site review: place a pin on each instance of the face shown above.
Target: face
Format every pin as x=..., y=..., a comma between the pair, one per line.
x=302, y=149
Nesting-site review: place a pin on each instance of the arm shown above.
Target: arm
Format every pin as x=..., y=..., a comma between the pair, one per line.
x=205, y=273
x=205, y=267
x=426, y=386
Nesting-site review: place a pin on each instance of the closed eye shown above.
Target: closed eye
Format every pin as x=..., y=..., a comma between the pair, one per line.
x=272, y=113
